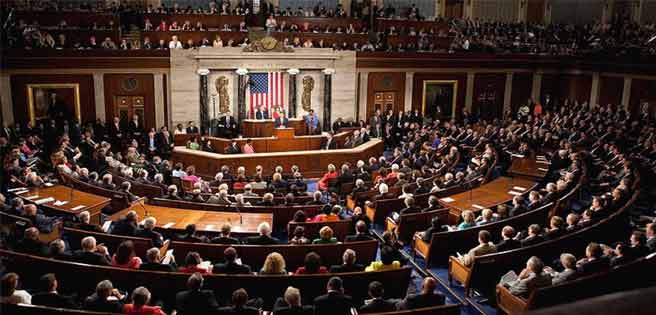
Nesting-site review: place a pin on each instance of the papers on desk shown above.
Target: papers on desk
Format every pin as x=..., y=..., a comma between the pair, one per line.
x=209, y=227
x=543, y=162
x=514, y=193
x=106, y=225
x=15, y=190
x=167, y=257
x=520, y=188
x=32, y=197
x=44, y=200
x=49, y=184
x=78, y=207
x=60, y=203
x=521, y=156
x=541, y=158
x=168, y=225
x=447, y=199
x=542, y=169
x=20, y=192
x=479, y=207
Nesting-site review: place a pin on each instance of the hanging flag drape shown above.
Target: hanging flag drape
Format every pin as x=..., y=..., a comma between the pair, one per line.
x=266, y=90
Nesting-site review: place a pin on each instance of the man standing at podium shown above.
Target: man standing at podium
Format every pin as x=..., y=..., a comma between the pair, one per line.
x=312, y=122
x=281, y=120
x=261, y=113
x=228, y=126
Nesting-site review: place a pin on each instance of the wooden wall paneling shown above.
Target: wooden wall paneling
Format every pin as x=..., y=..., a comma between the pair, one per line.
x=642, y=91
x=418, y=85
x=19, y=84
x=489, y=91
x=576, y=87
x=610, y=90
x=535, y=11
x=386, y=82
x=131, y=84
x=522, y=85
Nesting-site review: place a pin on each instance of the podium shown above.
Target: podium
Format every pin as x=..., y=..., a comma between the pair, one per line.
x=257, y=128
x=283, y=133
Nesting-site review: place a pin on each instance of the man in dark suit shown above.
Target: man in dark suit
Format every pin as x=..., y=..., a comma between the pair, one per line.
x=361, y=233
x=148, y=231
x=534, y=236
x=228, y=126
x=650, y=232
x=338, y=124
x=290, y=304
x=348, y=264
x=334, y=301
x=239, y=305
x=195, y=300
x=508, y=242
x=518, y=206
x=135, y=128
x=191, y=128
x=594, y=262
x=153, y=262
x=426, y=298
x=409, y=206
x=261, y=113
x=116, y=134
x=264, y=238
x=282, y=121
x=91, y=254
x=126, y=226
x=30, y=243
x=377, y=303
x=232, y=148
x=48, y=295
x=101, y=301
x=230, y=266
x=191, y=236
x=329, y=143
x=225, y=237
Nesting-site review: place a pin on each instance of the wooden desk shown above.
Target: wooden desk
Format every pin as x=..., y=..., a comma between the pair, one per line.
x=528, y=168
x=488, y=195
x=253, y=128
x=283, y=133
x=206, y=221
x=75, y=198
x=299, y=126
x=312, y=163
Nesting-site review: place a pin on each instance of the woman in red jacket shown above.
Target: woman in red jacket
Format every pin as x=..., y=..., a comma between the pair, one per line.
x=332, y=173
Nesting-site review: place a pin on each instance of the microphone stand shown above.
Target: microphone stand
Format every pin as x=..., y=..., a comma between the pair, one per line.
x=241, y=218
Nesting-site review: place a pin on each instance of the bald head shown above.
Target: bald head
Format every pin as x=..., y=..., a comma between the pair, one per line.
x=428, y=285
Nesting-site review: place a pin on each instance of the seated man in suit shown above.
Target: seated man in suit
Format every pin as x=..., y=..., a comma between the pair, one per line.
x=127, y=226
x=348, y=265
x=239, y=305
x=148, y=231
x=84, y=219
x=507, y=239
x=361, y=233
x=484, y=247
x=534, y=236
x=106, y=299
x=195, y=300
x=264, y=238
x=436, y=227
x=568, y=261
x=334, y=301
x=594, y=262
x=281, y=121
x=427, y=298
x=531, y=278
x=261, y=113
x=48, y=296
x=377, y=303
x=30, y=243
x=92, y=254
x=409, y=206
x=231, y=266
x=154, y=262
x=232, y=148
x=225, y=237
x=41, y=222
x=290, y=304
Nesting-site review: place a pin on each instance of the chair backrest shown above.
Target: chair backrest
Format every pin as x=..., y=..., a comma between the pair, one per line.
x=254, y=255
x=408, y=224
x=119, y=201
x=341, y=228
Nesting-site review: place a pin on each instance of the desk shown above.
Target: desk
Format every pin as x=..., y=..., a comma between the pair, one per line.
x=312, y=163
x=488, y=195
x=206, y=221
x=89, y=202
x=528, y=168
x=253, y=128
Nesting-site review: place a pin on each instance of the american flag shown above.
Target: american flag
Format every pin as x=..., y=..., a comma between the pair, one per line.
x=266, y=90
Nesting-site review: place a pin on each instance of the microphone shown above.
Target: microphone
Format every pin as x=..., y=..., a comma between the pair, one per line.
x=241, y=218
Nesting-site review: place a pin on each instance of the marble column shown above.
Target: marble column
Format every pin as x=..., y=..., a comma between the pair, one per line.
x=99, y=95
x=327, y=97
x=594, y=92
x=241, y=96
x=626, y=92
x=204, y=115
x=291, y=111
x=469, y=91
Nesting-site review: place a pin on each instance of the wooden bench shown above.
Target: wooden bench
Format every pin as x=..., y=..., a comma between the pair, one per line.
x=14, y=309
x=141, y=245
x=486, y=270
x=164, y=285
x=254, y=255
x=16, y=225
x=281, y=214
x=443, y=244
x=408, y=224
x=614, y=280
x=340, y=228
x=119, y=202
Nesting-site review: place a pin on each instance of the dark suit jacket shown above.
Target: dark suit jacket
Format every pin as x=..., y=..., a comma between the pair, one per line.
x=231, y=268
x=410, y=210
x=125, y=228
x=421, y=300
x=31, y=247
x=508, y=244
x=157, y=267
x=532, y=240
x=193, y=129
x=332, y=303
x=261, y=115
x=155, y=237
x=94, y=303
x=90, y=258
x=53, y=300
x=595, y=266
x=378, y=305
x=302, y=310
x=262, y=240
x=196, y=302
x=358, y=237
x=346, y=268
x=244, y=311
x=225, y=240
